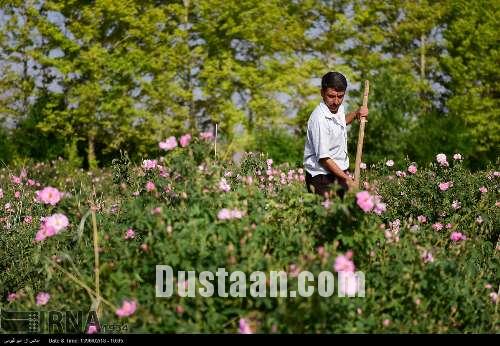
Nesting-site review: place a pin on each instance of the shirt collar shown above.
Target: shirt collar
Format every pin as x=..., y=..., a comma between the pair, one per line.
x=327, y=112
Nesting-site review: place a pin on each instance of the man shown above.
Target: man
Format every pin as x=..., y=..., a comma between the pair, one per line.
x=325, y=153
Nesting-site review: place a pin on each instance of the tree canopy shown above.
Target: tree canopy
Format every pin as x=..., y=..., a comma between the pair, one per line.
x=86, y=79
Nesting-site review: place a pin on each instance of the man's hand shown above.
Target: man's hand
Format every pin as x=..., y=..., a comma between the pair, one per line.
x=362, y=113
x=351, y=185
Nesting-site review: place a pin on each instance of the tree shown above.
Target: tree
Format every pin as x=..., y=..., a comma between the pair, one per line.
x=255, y=60
x=471, y=63
x=392, y=102
x=17, y=82
x=102, y=63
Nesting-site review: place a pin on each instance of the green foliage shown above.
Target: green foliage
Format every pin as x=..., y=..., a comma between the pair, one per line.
x=474, y=83
x=33, y=142
x=280, y=145
x=6, y=147
x=121, y=169
x=251, y=163
x=282, y=227
x=392, y=102
x=434, y=130
x=93, y=78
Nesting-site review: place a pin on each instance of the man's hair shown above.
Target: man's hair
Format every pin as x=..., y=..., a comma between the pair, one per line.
x=334, y=80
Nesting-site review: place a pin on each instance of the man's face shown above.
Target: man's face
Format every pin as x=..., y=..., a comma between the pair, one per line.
x=332, y=98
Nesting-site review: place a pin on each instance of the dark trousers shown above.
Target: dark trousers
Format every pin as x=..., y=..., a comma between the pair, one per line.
x=322, y=184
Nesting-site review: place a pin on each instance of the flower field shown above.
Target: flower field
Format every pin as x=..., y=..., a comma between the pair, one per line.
x=426, y=238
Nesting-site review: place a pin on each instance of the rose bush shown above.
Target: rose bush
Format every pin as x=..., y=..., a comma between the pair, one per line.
x=204, y=214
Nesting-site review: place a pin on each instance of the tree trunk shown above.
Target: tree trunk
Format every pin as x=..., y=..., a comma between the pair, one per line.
x=25, y=85
x=423, y=97
x=189, y=82
x=91, y=152
x=422, y=57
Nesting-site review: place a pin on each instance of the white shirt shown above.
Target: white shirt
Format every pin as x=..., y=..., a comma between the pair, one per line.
x=326, y=137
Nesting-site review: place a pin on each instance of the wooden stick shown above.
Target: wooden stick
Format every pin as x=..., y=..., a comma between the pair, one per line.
x=361, y=136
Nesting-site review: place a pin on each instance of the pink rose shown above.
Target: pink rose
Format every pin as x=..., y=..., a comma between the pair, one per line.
x=128, y=308
x=344, y=264
x=169, y=144
x=42, y=298
x=365, y=201
x=184, y=140
x=49, y=195
x=457, y=236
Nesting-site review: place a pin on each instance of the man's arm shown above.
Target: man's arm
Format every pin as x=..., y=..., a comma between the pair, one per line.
x=349, y=118
x=361, y=112
x=332, y=167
